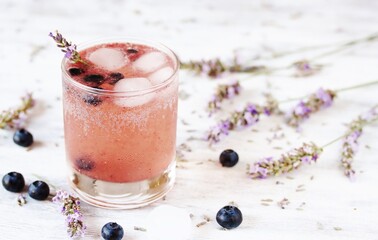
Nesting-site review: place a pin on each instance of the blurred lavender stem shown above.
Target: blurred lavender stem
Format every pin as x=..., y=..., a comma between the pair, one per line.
x=340, y=46
x=16, y=118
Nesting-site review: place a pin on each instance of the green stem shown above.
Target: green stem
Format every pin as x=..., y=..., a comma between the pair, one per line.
x=363, y=124
x=334, y=140
x=357, y=86
x=343, y=46
x=337, y=91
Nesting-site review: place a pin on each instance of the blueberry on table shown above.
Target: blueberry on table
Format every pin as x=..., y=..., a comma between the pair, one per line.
x=39, y=190
x=229, y=217
x=14, y=182
x=228, y=158
x=23, y=138
x=75, y=71
x=112, y=231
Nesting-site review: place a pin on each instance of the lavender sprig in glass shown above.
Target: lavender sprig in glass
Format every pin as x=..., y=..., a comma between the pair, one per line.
x=350, y=141
x=16, y=118
x=248, y=116
x=224, y=91
x=68, y=48
x=70, y=207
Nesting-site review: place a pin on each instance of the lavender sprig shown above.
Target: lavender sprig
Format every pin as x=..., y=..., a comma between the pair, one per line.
x=315, y=102
x=305, y=68
x=224, y=91
x=248, y=116
x=215, y=67
x=68, y=48
x=350, y=141
x=15, y=119
x=267, y=167
x=70, y=207
x=310, y=152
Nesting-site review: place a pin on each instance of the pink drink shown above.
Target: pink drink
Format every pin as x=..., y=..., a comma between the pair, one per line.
x=120, y=114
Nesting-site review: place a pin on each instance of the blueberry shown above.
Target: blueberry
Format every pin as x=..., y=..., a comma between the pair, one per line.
x=14, y=182
x=115, y=77
x=23, y=138
x=92, y=100
x=39, y=190
x=112, y=231
x=84, y=164
x=75, y=71
x=229, y=217
x=228, y=158
x=94, y=78
x=131, y=50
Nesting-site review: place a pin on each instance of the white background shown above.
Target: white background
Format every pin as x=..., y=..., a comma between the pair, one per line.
x=335, y=208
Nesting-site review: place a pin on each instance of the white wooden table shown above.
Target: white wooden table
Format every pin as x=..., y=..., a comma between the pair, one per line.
x=329, y=207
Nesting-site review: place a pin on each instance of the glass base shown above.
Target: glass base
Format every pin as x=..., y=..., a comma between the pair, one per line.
x=123, y=195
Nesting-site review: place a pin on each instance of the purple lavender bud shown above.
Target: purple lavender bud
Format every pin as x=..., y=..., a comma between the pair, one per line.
x=319, y=100
x=288, y=162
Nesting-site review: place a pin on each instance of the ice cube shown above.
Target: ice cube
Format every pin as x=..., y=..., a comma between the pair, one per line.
x=161, y=75
x=108, y=58
x=133, y=84
x=150, y=62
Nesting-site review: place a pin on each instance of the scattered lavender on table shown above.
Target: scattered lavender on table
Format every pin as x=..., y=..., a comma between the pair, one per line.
x=304, y=68
x=224, y=91
x=70, y=207
x=350, y=141
x=15, y=119
x=283, y=203
x=248, y=116
x=215, y=67
x=267, y=167
x=68, y=48
x=315, y=102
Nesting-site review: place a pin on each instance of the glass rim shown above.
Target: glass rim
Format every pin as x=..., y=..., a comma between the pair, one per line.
x=157, y=45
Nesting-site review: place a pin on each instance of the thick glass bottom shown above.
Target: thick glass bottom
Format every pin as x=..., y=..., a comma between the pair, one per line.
x=129, y=195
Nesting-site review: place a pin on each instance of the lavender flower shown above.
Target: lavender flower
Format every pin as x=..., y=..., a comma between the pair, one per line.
x=319, y=100
x=21, y=200
x=215, y=67
x=304, y=68
x=350, y=140
x=224, y=91
x=248, y=116
x=70, y=50
x=267, y=167
x=70, y=207
x=15, y=119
